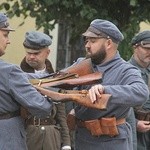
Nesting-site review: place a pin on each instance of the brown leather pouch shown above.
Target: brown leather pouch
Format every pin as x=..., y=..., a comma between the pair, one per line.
x=71, y=121
x=94, y=127
x=109, y=126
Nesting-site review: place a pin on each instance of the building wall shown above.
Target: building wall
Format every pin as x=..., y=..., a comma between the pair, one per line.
x=144, y=26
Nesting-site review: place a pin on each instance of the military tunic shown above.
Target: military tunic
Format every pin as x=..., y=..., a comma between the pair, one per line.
x=143, y=139
x=123, y=81
x=15, y=90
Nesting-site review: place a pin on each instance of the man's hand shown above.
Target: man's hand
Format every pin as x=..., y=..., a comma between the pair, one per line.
x=143, y=126
x=95, y=92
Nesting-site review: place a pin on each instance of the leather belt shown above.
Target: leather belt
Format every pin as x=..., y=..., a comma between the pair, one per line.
x=9, y=115
x=38, y=121
x=81, y=123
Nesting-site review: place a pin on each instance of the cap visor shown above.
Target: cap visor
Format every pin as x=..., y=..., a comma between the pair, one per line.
x=28, y=50
x=146, y=43
x=7, y=29
x=90, y=34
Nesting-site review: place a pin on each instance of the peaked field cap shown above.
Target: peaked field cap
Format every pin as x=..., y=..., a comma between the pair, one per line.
x=142, y=38
x=4, y=24
x=99, y=26
x=36, y=40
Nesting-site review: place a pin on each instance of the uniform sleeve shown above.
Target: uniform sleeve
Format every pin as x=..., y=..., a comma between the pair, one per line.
x=26, y=95
x=131, y=90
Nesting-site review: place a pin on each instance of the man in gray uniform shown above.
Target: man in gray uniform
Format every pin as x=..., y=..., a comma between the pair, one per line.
x=107, y=129
x=16, y=91
x=141, y=59
x=51, y=133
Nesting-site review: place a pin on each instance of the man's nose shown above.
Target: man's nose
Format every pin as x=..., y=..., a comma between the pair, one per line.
x=87, y=44
x=8, y=41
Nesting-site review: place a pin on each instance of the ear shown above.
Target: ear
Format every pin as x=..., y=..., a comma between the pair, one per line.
x=48, y=51
x=108, y=43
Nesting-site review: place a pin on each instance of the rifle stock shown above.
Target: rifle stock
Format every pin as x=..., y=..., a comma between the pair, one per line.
x=81, y=97
x=70, y=83
x=82, y=68
x=78, y=74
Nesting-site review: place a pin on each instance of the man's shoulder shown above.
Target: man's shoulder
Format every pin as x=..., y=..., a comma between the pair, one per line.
x=126, y=67
x=6, y=65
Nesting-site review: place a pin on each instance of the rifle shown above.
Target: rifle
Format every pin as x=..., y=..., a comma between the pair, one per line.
x=78, y=74
x=82, y=68
x=81, y=97
x=69, y=82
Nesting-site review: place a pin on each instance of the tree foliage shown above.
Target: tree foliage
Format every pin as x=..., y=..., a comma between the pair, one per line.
x=77, y=14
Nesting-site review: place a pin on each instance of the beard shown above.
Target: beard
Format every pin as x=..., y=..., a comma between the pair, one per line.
x=98, y=57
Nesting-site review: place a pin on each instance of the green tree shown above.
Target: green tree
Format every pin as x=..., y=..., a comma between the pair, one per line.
x=77, y=14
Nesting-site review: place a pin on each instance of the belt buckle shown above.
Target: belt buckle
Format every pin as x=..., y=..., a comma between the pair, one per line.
x=38, y=121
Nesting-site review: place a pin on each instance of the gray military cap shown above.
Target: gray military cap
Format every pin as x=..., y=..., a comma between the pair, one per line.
x=142, y=39
x=4, y=24
x=104, y=28
x=35, y=41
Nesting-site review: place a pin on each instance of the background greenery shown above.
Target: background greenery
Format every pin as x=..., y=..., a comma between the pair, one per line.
x=77, y=15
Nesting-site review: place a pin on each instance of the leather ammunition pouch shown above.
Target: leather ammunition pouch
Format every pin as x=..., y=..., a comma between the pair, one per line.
x=97, y=127
x=94, y=126
x=142, y=114
x=10, y=115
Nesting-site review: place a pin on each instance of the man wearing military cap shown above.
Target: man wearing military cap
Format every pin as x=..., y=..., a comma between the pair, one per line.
x=16, y=91
x=37, y=49
x=52, y=132
x=142, y=39
x=107, y=129
x=141, y=59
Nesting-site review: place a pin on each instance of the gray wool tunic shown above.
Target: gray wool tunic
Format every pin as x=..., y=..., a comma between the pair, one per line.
x=16, y=91
x=123, y=81
x=143, y=138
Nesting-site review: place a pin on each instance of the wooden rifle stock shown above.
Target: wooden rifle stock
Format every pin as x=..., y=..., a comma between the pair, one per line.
x=82, y=68
x=78, y=74
x=80, y=97
x=73, y=82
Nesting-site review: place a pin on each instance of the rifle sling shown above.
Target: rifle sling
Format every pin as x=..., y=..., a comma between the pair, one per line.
x=52, y=79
